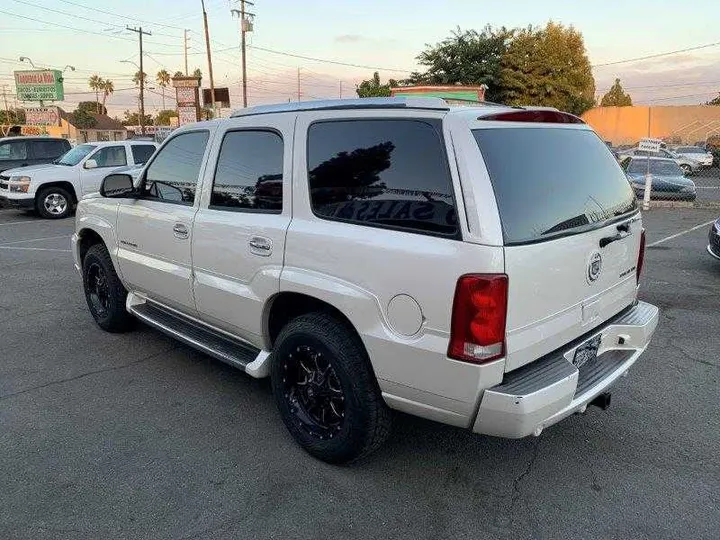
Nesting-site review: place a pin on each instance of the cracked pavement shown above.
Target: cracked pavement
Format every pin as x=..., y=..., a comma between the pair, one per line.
x=137, y=436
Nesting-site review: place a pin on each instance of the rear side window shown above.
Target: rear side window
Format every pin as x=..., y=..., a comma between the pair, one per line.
x=552, y=181
x=110, y=156
x=13, y=150
x=48, y=149
x=249, y=174
x=141, y=152
x=382, y=173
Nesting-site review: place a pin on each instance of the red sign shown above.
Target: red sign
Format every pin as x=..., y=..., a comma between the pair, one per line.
x=42, y=116
x=186, y=96
x=187, y=115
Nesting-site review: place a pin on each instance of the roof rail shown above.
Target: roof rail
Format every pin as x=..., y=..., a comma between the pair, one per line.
x=430, y=103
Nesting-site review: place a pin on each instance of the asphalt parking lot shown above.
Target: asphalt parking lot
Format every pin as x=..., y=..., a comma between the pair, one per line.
x=137, y=436
x=707, y=183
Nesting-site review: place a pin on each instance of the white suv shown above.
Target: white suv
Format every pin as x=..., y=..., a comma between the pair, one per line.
x=477, y=266
x=54, y=188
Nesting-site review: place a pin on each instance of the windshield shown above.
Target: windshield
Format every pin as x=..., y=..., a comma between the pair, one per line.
x=552, y=181
x=76, y=155
x=690, y=150
x=660, y=167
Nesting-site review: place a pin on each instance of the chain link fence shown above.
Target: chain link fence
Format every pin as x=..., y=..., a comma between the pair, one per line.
x=674, y=172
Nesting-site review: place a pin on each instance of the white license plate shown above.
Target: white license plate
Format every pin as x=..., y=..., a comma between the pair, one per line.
x=586, y=352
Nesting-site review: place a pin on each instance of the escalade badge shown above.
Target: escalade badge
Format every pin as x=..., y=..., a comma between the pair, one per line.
x=594, y=267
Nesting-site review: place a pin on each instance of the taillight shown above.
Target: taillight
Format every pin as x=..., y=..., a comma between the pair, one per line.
x=477, y=329
x=641, y=256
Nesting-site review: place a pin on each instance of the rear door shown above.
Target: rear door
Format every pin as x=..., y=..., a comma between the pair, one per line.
x=571, y=232
x=107, y=159
x=239, y=234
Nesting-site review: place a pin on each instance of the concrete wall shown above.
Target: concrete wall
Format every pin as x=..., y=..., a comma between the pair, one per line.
x=627, y=125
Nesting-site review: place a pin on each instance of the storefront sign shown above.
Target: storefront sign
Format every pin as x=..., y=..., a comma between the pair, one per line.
x=42, y=116
x=185, y=82
x=39, y=85
x=186, y=95
x=187, y=115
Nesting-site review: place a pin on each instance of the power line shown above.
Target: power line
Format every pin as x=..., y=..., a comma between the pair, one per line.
x=658, y=55
x=115, y=14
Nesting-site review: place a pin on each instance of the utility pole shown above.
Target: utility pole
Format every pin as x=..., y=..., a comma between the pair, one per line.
x=7, y=110
x=185, y=41
x=245, y=26
x=298, y=93
x=140, y=32
x=207, y=45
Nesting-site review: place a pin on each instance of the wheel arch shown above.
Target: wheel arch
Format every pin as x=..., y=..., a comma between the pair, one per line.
x=64, y=184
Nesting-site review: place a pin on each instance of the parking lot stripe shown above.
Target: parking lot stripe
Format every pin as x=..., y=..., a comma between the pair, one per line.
x=34, y=240
x=34, y=249
x=19, y=222
x=695, y=228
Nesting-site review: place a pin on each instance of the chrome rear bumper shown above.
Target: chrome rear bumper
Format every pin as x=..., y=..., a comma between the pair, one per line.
x=544, y=392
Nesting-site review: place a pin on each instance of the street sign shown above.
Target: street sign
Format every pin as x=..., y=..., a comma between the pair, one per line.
x=42, y=116
x=650, y=145
x=39, y=85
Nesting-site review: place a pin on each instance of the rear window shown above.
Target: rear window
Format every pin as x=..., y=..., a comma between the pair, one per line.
x=552, y=181
x=657, y=166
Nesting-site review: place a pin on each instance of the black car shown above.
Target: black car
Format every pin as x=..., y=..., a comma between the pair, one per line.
x=23, y=151
x=714, y=240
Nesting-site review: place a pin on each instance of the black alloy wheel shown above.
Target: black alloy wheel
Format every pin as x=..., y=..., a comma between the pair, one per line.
x=98, y=289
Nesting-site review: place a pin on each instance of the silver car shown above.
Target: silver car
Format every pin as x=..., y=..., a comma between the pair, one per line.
x=688, y=165
x=696, y=153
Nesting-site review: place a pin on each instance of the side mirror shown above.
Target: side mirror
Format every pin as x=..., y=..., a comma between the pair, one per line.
x=90, y=164
x=117, y=186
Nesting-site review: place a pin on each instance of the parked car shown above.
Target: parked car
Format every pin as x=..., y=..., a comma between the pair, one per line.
x=689, y=166
x=668, y=179
x=23, y=151
x=54, y=189
x=353, y=254
x=697, y=153
x=714, y=240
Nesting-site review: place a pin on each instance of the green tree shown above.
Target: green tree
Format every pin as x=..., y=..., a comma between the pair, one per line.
x=616, y=97
x=90, y=107
x=107, y=88
x=163, y=117
x=466, y=57
x=373, y=88
x=138, y=76
x=95, y=82
x=163, y=80
x=12, y=116
x=82, y=118
x=197, y=73
x=715, y=101
x=133, y=119
x=547, y=67
x=178, y=74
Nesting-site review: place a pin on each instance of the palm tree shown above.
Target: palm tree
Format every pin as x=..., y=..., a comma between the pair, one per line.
x=163, y=79
x=137, y=77
x=179, y=74
x=96, y=83
x=107, y=88
x=197, y=73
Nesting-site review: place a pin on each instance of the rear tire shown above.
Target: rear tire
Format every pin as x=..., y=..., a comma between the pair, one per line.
x=53, y=203
x=104, y=293
x=325, y=390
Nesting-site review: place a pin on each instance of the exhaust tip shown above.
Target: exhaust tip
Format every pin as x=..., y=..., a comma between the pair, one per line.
x=602, y=401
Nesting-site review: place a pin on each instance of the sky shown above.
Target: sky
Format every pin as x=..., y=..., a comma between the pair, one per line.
x=375, y=35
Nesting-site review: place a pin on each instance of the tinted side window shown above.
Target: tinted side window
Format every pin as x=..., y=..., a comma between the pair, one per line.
x=249, y=172
x=48, y=149
x=381, y=173
x=173, y=174
x=110, y=156
x=13, y=150
x=141, y=152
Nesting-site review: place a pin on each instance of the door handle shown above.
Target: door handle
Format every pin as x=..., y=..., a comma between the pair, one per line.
x=260, y=245
x=180, y=230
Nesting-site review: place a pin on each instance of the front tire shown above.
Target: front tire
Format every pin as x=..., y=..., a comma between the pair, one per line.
x=53, y=203
x=104, y=293
x=325, y=390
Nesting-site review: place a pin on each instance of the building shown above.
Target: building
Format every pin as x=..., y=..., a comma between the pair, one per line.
x=58, y=123
x=456, y=94
x=686, y=124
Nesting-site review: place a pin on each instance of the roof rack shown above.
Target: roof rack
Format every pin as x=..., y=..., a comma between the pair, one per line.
x=430, y=103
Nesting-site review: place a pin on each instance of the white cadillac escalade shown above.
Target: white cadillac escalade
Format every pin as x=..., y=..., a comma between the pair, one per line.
x=476, y=266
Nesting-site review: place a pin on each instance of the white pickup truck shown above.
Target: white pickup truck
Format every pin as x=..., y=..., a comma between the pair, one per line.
x=53, y=189
x=383, y=253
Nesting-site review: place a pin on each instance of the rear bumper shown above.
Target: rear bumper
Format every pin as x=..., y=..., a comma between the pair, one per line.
x=540, y=394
